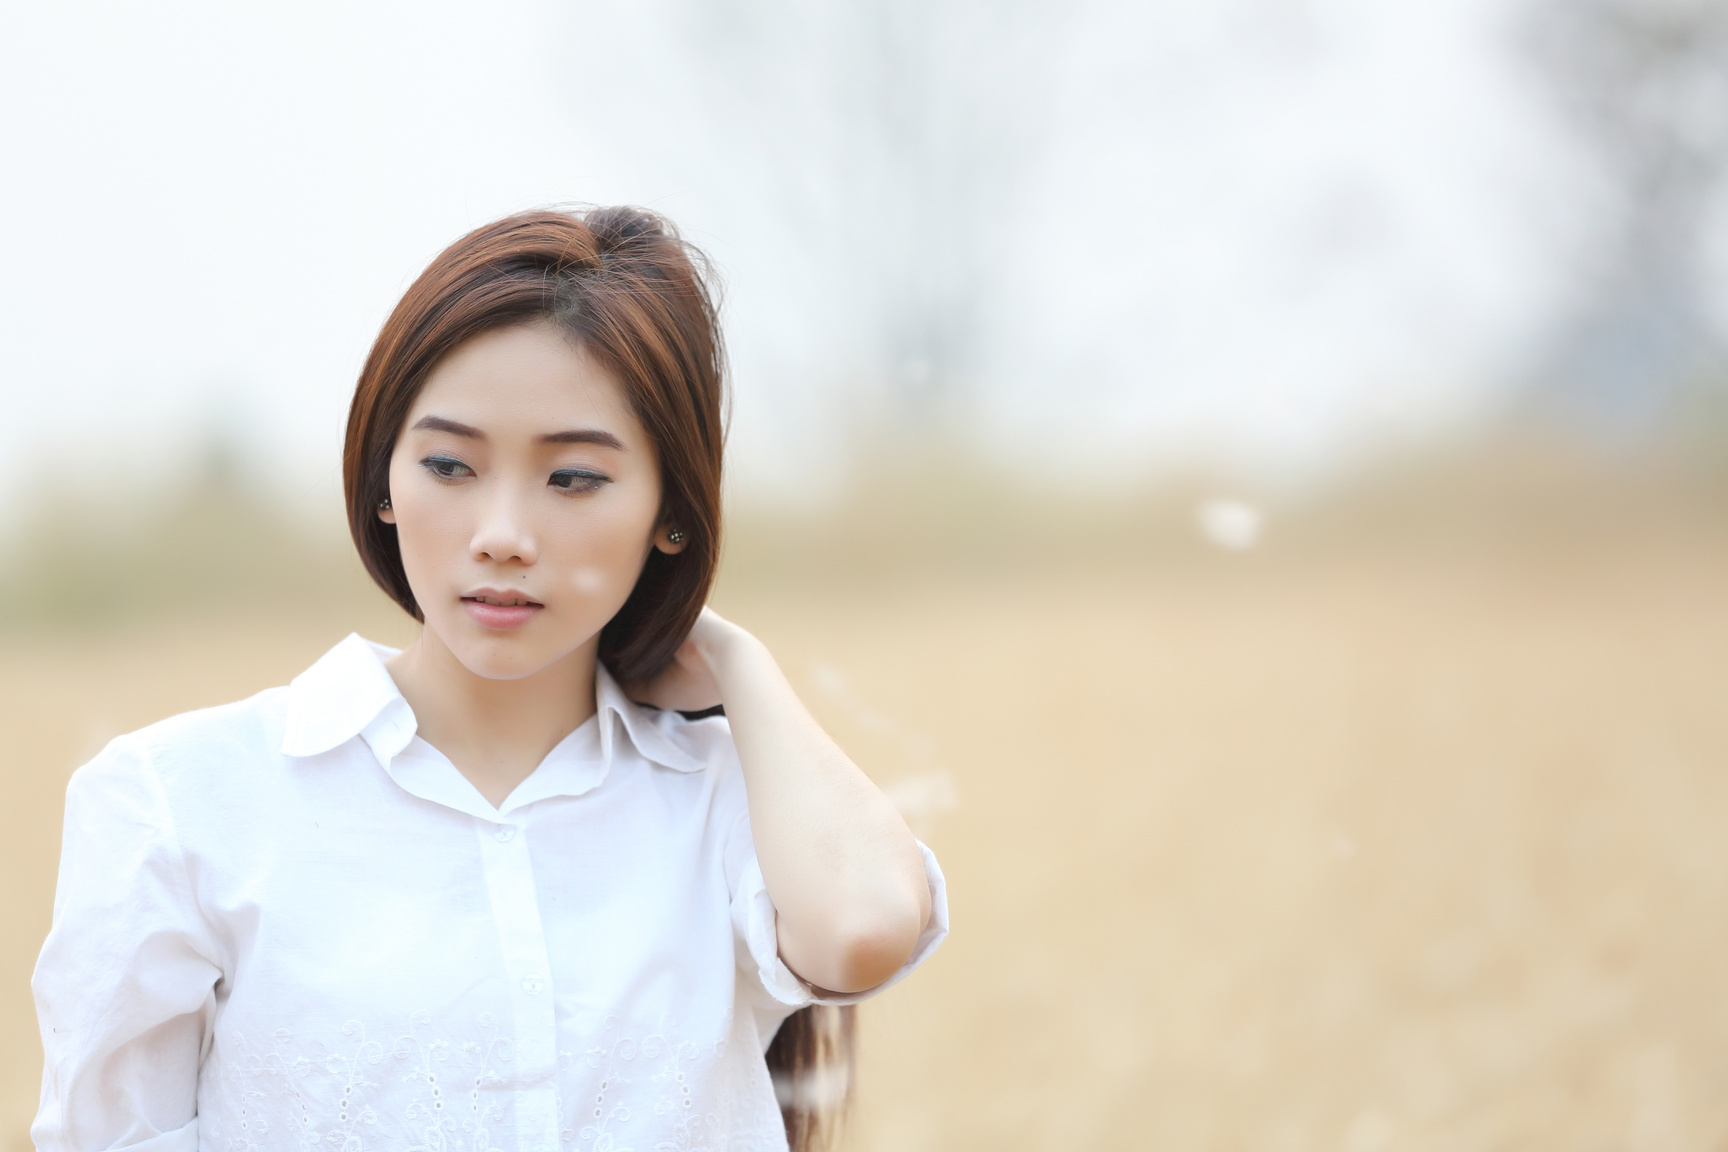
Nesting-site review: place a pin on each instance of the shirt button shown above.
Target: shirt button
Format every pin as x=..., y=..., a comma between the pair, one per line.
x=505, y=833
x=532, y=985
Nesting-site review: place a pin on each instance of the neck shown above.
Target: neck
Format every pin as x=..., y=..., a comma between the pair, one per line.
x=496, y=732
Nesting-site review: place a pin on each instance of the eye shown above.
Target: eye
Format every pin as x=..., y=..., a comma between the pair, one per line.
x=577, y=480
x=446, y=467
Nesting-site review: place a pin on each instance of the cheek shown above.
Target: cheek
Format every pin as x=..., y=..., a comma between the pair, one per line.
x=608, y=557
x=427, y=532
x=589, y=580
x=607, y=568
x=433, y=534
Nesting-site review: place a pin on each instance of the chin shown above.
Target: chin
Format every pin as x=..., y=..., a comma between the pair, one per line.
x=496, y=656
x=492, y=666
x=508, y=655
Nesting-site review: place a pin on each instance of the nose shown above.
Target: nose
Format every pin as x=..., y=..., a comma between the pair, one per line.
x=504, y=533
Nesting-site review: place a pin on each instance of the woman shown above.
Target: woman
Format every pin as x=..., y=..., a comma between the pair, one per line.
x=554, y=876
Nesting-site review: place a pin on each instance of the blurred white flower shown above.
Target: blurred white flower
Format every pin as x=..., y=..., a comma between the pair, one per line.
x=833, y=684
x=1229, y=523
x=921, y=798
x=818, y=1090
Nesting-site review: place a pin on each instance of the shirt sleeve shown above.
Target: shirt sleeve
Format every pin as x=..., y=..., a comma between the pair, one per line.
x=753, y=924
x=125, y=985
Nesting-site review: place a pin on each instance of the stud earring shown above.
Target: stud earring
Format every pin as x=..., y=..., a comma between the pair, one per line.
x=384, y=504
x=676, y=535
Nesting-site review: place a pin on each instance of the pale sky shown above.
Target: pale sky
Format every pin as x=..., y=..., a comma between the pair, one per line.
x=1257, y=232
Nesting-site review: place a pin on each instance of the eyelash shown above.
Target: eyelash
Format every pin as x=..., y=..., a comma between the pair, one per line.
x=580, y=480
x=575, y=480
x=444, y=467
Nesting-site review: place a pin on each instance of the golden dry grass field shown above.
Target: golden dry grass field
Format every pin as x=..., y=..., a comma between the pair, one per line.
x=1373, y=837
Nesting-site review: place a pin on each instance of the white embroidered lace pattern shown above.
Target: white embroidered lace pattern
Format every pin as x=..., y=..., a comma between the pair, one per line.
x=358, y=1092
x=421, y=1089
x=656, y=1072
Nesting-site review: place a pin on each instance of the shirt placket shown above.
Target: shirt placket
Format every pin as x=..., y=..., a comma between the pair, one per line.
x=522, y=940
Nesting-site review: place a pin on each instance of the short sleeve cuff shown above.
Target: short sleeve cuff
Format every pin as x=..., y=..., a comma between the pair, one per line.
x=754, y=918
x=180, y=1140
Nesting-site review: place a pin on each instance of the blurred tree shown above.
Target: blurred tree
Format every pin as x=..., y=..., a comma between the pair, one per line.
x=888, y=138
x=1646, y=84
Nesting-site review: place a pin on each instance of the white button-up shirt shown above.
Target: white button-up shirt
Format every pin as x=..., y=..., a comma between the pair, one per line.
x=290, y=923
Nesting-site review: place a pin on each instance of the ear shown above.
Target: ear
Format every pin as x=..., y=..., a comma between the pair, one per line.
x=663, y=539
x=386, y=513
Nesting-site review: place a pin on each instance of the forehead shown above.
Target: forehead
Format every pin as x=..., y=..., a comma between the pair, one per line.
x=527, y=374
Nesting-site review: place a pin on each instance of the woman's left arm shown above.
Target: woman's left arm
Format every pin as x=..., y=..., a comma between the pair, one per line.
x=844, y=872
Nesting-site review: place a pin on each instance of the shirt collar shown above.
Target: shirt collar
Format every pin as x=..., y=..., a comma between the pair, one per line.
x=349, y=693
x=655, y=734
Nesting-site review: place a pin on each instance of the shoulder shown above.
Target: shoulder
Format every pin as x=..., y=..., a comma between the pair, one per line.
x=145, y=784
x=193, y=745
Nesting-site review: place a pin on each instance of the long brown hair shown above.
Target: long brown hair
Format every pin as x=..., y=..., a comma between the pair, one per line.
x=811, y=1060
x=637, y=298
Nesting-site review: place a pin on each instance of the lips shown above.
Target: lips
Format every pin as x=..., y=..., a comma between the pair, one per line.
x=504, y=601
x=498, y=610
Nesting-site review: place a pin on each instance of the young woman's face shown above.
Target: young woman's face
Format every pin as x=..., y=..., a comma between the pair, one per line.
x=526, y=498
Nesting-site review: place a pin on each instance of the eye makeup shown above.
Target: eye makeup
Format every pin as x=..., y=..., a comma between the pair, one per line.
x=446, y=467
x=577, y=480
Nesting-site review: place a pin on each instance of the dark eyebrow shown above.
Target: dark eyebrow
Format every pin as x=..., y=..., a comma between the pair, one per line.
x=440, y=424
x=584, y=436
x=573, y=436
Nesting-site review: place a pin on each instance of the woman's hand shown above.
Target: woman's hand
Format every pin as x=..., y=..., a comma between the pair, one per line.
x=688, y=684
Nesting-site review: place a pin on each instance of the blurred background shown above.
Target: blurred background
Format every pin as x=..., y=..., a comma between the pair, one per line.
x=1250, y=478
